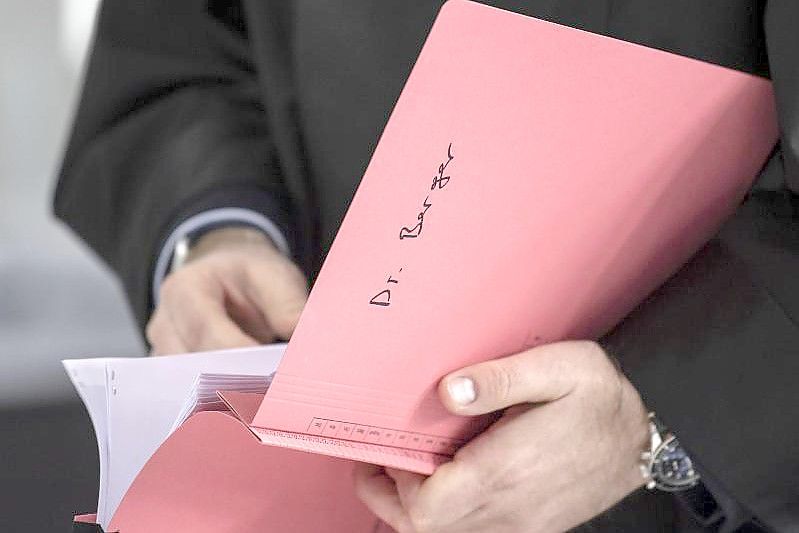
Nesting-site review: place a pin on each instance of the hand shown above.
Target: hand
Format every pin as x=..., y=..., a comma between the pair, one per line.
x=566, y=449
x=236, y=289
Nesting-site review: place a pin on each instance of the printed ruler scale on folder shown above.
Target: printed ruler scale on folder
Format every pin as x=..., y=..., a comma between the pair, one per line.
x=533, y=183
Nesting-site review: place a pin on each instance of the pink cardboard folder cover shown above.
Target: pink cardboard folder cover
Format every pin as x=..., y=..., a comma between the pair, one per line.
x=534, y=183
x=213, y=476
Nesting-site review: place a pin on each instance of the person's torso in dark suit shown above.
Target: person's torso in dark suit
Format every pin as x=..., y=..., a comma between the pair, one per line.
x=345, y=62
x=285, y=101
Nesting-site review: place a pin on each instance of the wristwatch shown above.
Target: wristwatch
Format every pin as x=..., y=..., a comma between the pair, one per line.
x=666, y=465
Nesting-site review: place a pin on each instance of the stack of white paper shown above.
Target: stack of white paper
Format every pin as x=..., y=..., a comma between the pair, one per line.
x=134, y=403
x=204, y=397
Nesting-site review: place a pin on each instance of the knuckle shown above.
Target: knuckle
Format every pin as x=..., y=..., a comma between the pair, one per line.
x=500, y=379
x=596, y=356
x=421, y=519
x=155, y=329
x=157, y=334
x=151, y=330
x=592, y=349
x=594, y=363
x=153, y=339
x=585, y=353
x=155, y=343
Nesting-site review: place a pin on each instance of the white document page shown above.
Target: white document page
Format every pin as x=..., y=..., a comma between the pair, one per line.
x=145, y=395
x=89, y=378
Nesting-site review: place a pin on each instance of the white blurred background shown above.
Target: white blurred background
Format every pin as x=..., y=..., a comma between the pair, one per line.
x=56, y=299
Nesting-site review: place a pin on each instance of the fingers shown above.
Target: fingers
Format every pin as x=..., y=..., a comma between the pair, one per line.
x=191, y=332
x=379, y=493
x=451, y=493
x=237, y=290
x=251, y=321
x=202, y=321
x=414, y=503
x=192, y=316
x=279, y=290
x=407, y=485
x=541, y=374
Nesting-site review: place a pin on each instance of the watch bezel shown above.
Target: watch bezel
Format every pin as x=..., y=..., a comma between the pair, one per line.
x=665, y=483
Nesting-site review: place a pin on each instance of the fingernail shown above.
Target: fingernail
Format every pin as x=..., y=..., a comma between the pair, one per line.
x=461, y=390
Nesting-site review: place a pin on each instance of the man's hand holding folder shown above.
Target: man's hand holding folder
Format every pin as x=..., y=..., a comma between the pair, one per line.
x=569, y=440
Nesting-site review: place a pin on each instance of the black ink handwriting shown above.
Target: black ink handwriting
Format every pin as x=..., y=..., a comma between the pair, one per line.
x=441, y=180
x=383, y=298
x=415, y=231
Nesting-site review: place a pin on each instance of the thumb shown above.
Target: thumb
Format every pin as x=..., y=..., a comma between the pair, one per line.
x=542, y=374
x=280, y=292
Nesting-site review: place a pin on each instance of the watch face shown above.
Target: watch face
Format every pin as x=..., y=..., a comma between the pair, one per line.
x=672, y=469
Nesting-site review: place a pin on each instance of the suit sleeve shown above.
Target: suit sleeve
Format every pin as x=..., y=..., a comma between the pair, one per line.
x=170, y=124
x=715, y=351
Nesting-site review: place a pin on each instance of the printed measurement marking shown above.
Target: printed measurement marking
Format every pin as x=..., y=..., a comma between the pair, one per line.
x=383, y=436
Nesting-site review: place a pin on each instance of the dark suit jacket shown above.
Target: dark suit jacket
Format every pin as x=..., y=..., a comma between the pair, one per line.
x=277, y=106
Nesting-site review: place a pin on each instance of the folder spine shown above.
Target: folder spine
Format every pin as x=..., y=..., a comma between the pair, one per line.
x=422, y=462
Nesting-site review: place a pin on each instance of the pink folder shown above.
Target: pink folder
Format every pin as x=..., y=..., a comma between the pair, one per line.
x=213, y=476
x=534, y=183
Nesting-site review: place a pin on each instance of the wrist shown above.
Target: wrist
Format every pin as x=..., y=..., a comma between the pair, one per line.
x=226, y=238
x=638, y=429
